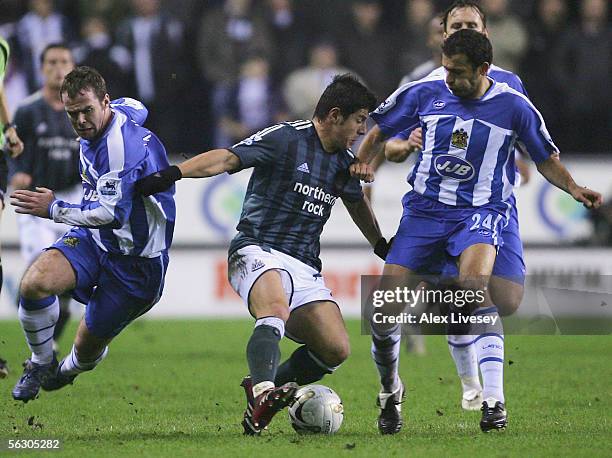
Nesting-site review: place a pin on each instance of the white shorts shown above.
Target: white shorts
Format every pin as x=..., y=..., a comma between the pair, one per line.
x=36, y=234
x=302, y=284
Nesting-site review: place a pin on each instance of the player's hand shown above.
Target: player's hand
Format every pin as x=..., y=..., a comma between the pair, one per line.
x=415, y=140
x=382, y=247
x=14, y=145
x=33, y=202
x=21, y=180
x=363, y=171
x=159, y=181
x=586, y=196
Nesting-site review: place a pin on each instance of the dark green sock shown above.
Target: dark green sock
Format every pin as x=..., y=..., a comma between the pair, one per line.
x=263, y=353
x=301, y=368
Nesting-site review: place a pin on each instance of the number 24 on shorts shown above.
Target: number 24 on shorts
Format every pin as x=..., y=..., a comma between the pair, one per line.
x=486, y=222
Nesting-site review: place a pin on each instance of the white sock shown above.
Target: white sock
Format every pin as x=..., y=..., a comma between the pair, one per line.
x=38, y=325
x=72, y=365
x=489, y=347
x=385, y=352
x=463, y=351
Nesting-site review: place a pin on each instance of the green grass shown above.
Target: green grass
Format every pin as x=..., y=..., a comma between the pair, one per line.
x=171, y=388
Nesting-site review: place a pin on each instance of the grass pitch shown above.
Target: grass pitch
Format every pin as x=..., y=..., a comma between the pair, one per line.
x=171, y=388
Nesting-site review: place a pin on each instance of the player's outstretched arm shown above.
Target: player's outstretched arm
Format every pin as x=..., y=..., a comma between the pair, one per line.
x=372, y=145
x=398, y=149
x=210, y=163
x=362, y=214
x=555, y=172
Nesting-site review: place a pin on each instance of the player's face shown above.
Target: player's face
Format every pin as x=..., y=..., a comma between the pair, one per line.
x=56, y=65
x=88, y=115
x=464, y=18
x=351, y=128
x=462, y=79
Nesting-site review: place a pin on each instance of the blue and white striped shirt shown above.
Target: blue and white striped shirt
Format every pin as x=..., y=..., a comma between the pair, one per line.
x=468, y=144
x=119, y=220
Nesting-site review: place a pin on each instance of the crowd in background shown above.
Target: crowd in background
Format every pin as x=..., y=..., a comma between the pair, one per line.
x=213, y=71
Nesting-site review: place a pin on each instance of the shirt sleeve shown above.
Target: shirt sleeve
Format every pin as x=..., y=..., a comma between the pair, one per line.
x=112, y=210
x=399, y=112
x=132, y=108
x=517, y=84
x=532, y=132
x=347, y=187
x=264, y=147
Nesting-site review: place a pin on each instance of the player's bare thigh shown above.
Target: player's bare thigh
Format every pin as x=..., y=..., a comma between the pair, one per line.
x=268, y=298
x=49, y=274
x=321, y=327
x=475, y=267
x=396, y=276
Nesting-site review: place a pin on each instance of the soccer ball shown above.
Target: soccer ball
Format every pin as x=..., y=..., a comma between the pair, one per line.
x=317, y=409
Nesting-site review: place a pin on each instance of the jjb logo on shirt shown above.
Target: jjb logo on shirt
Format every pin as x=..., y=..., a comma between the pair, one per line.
x=454, y=167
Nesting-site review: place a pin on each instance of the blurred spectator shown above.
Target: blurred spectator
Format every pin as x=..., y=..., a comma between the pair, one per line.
x=412, y=37
x=41, y=26
x=288, y=35
x=304, y=86
x=253, y=102
x=229, y=34
x=545, y=29
x=583, y=66
x=507, y=33
x=112, y=11
x=160, y=71
x=365, y=47
x=12, y=10
x=435, y=38
x=97, y=51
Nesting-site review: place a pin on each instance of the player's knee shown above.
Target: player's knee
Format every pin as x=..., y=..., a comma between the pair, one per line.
x=36, y=284
x=471, y=292
x=507, y=298
x=337, y=353
x=277, y=308
x=508, y=306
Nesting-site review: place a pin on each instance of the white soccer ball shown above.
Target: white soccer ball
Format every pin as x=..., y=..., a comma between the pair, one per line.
x=317, y=409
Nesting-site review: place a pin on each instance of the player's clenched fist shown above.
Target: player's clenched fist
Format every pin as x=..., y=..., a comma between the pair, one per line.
x=159, y=181
x=586, y=196
x=363, y=171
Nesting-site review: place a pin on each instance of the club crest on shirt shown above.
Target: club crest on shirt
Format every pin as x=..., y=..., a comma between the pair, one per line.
x=459, y=139
x=70, y=241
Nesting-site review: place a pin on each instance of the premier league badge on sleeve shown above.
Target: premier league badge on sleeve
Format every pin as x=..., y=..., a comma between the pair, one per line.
x=110, y=187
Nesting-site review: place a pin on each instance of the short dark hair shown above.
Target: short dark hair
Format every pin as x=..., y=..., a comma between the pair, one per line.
x=464, y=4
x=84, y=78
x=348, y=94
x=58, y=45
x=474, y=45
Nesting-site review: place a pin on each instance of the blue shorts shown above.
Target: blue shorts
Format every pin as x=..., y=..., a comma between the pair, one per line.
x=430, y=232
x=116, y=289
x=509, y=263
